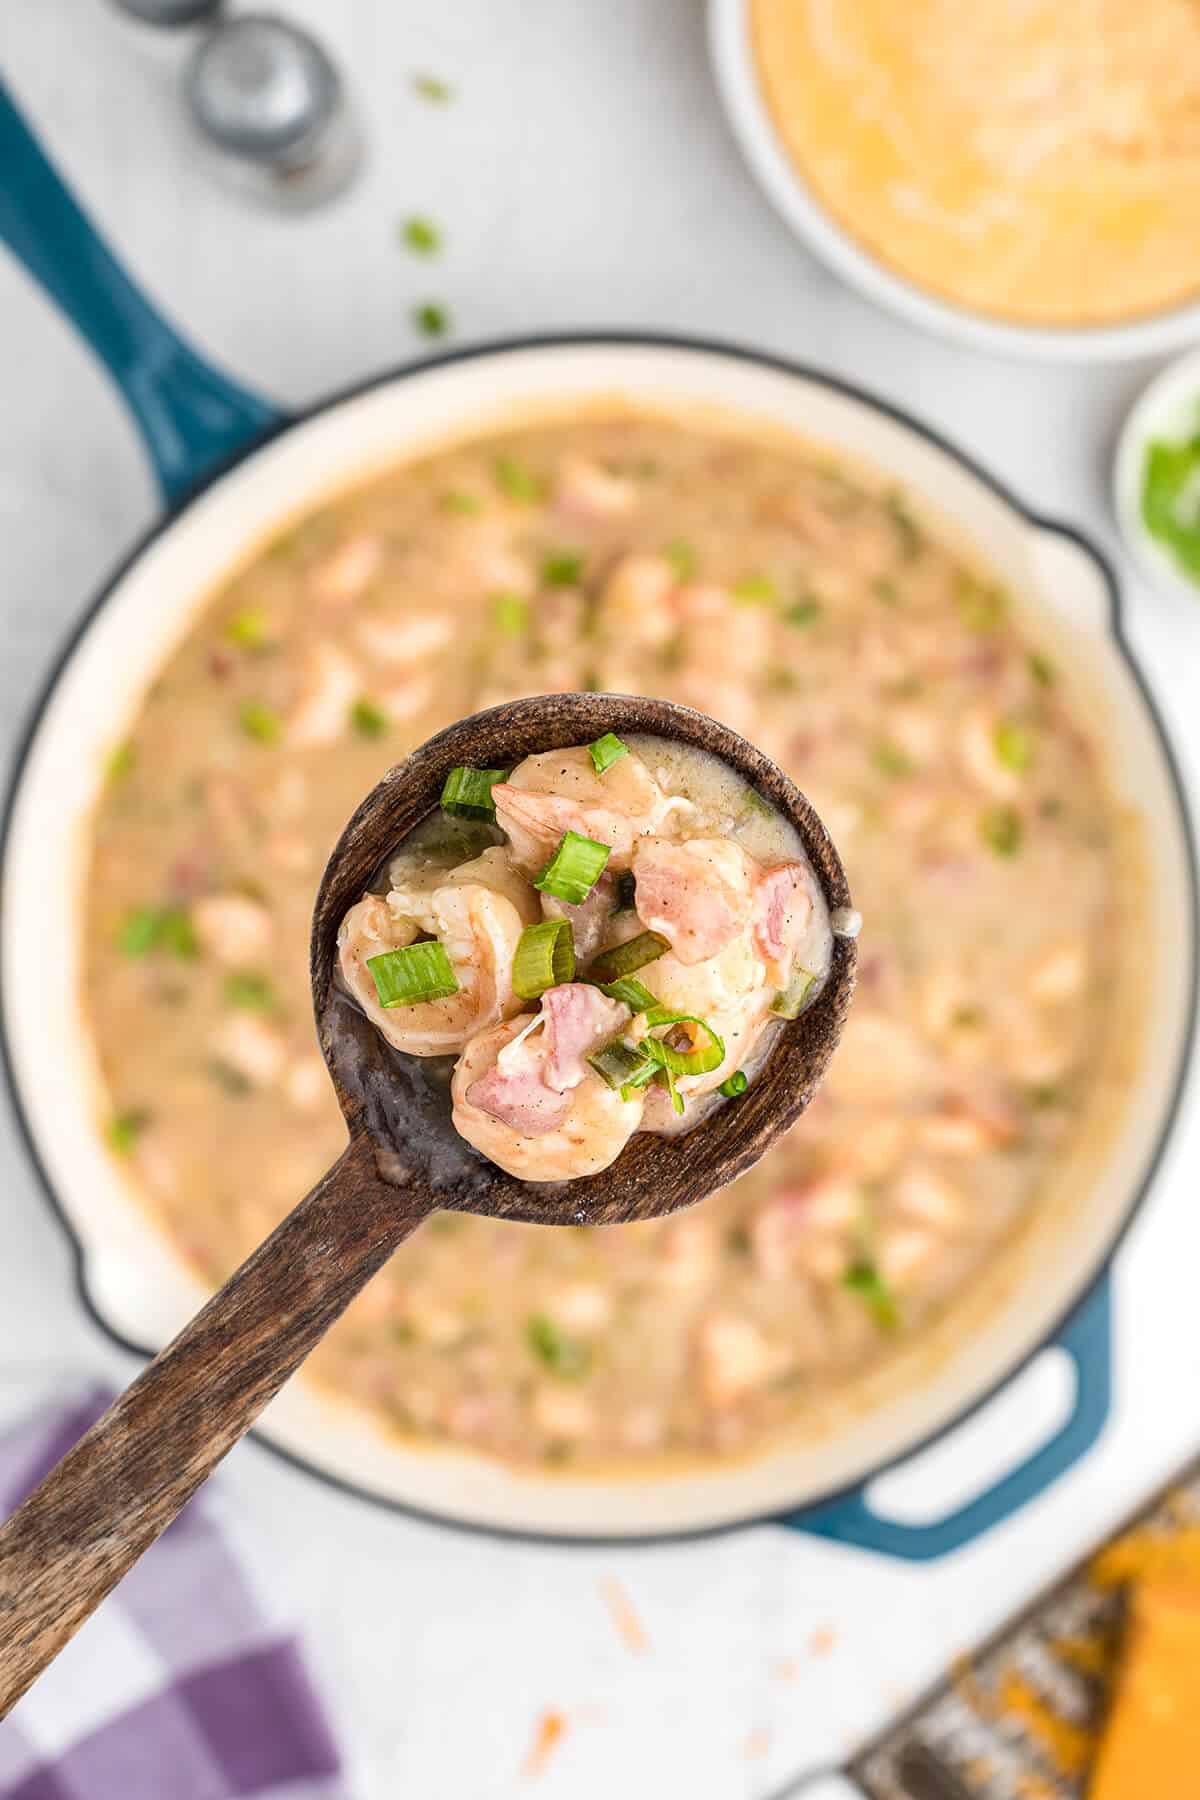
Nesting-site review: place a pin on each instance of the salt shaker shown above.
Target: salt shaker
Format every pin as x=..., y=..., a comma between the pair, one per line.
x=271, y=112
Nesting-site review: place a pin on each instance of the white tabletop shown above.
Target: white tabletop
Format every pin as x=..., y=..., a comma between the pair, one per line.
x=584, y=177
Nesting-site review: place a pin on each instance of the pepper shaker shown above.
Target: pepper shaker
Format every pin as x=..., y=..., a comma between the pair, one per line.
x=270, y=110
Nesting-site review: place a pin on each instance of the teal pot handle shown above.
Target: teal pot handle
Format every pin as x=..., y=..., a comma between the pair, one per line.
x=191, y=417
x=1087, y=1340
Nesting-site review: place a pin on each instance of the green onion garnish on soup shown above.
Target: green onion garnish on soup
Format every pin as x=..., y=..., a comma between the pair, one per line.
x=621, y=1066
x=574, y=869
x=510, y=614
x=606, y=751
x=735, y=1084
x=261, y=722
x=789, y=1001
x=1001, y=830
x=567, y=1357
x=467, y=793
x=627, y=958
x=631, y=993
x=1013, y=743
x=563, y=568
x=700, y=1060
x=865, y=1279
x=369, y=720
x=545, y=958
x=413, y=975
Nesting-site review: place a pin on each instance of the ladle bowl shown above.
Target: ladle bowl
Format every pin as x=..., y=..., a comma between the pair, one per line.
x=82, y=1529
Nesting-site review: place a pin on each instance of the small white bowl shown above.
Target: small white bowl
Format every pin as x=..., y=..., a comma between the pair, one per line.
x=737, y=81
x=1169, y=408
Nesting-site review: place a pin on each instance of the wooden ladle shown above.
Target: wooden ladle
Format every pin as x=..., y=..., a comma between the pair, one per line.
x=78, y=1533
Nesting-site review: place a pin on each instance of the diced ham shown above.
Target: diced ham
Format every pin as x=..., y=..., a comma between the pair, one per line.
x=578, y=1019
x=519, y=1098
x=697, y=894
x=782, y=908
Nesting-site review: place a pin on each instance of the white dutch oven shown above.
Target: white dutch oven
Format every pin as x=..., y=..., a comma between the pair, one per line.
x=129, y=1276
x=741, y=91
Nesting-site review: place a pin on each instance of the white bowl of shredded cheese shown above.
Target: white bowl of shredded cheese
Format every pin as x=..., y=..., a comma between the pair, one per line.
x=1120, y=247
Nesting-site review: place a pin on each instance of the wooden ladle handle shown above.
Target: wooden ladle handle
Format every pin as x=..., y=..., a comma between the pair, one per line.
x=108, y=1499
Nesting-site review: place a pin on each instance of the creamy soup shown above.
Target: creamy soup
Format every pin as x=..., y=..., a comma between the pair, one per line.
x=627, y=866
x=1035, y=159
x=809, y=607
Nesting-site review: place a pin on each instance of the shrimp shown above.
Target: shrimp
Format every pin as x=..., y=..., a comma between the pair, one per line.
x=635, y=603
x=559, y=790
x=327, y=687
x=587, y=491
x=699, y=895
x=525, y=1098
x=404, y=637
x=477, y=925
x=232, y=928
x=348, y=572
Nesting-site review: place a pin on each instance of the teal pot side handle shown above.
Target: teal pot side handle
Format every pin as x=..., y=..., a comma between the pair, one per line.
x=191, y=416
x=1087, y=1340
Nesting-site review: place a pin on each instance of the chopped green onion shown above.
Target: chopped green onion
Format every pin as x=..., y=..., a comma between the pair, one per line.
x=545, y=957
x=753, y=802
x=735, y=1084
x=804, y=613
x=890, y=760
x=983, y=608
x=1169, y=510
x=570, y=1358
x=431, y=319
x=667, y=1079
x=510, y=614
x=562, y=569
x=433, y=89
x=701, y=1061
x=459, y=501
x=421, y=236
x=606, y=751
x=682, y=558
x=1013, y=743
x=885, y=591
x=248, y=628
x=253, y=993
x=1043, y=1096
x=369, y=720
x=1041, y=669
x=230, y=1079
x=518, y=482
x=907, y=530
x=625, y=959
x=120, y=762
x=261, y=722
x=467, y=793
x=124, y=1129
x=619, y=1065
x=755, y=590
x=574, y=869
x=631, y=993
x=626, y=892
x=1000, y=828
x=149, y=928
x=789, y=1001
x=864, y=1279
x=413, y=975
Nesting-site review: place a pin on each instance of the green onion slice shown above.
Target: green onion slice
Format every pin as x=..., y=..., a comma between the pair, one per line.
x=467, y=793
x=545, y=958
x=624, y=959
x=631, y=993
x=411, y=976
x=736, y=1084
x=667, y=1077
x=568, y=1357
x=864, y=1278
x=619, y=1065
x=606, y=751
x=789, y=1001
x=700, y=1061
x=574, y=869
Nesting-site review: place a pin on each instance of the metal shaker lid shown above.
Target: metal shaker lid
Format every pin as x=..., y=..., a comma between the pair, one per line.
x=261, y=88
x=170, y=12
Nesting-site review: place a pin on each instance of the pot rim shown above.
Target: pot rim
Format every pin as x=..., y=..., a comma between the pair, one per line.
x=704, y=348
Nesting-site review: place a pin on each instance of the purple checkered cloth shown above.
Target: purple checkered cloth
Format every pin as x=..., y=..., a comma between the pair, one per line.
x=181, y=1686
